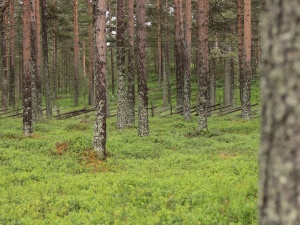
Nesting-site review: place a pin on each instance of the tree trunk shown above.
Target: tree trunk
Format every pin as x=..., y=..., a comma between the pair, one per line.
x=121, y=113
x=187, y=60
x=100, y=78
x=178, y=57
x=54, y=76
x=143, y=128
x=33, y=61
x=279, y=192
x=131, y=81
x=76, y=54
x=246, y=85
x=203, y=79
x=111, y=53
x=91, y=58
x=27, y=69
x=5, y=54
x=227, y=79
x=240, y=46
x=12, y=55
x=38, y=63
x=159, y=43
x=45, y=59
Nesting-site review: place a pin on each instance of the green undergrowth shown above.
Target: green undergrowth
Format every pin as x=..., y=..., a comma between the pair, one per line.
x=176, y=175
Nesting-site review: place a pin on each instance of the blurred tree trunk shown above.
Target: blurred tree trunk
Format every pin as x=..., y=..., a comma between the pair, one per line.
x=143, y=128
x=27, y=69
x=76, y=54
x=121, y=112
x=12, y=55
x=280, y=153
x=131, y=81
x=227, y=79
x=187, y=60
x=203, y=79
x=246, y=85
x=45, y=59
x=100, y=78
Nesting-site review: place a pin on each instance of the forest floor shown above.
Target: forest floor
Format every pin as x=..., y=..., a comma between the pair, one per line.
x=174, y=176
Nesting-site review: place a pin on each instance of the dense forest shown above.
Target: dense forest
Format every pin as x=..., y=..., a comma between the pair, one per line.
x=145, y=112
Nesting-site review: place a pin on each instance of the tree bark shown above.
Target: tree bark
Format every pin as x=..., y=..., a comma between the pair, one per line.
x=27, y=69
x=246, y=85
x=187, y=60
x=121, y=112
x=100, y=78
x=45, y=59
x=240, y=46
x=279, y=189
x=131, y=82
x=143, y=128
x=159, y=43
x=91, y=58
x=54, y=76
x=76, y=54
x=5, y=54
x=203, y=79
x=38, y=63
x=178, y=57
x=12, y=55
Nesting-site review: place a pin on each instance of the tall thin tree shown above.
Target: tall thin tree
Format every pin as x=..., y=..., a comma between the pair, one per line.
x=76, y=54
x=12, y=55
x=27, y=102
x=187, y=59
x=203, y=79
x=143, y=127
x=100, y=78
x=131, y=81
x=91, y=58
x=246, y=88
x=121, y=53
x=45, y=59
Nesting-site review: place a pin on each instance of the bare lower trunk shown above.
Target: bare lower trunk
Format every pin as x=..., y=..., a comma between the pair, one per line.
x=76, y=54
x=12, y=56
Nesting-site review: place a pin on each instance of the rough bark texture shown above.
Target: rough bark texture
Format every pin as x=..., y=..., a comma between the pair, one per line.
x=38, y=51
x=45, y=59
x=131, y=82
x=76, y=54
x=246, y=84
x=5, y=55
x=33, y=61
x=12, y=56
x=279, y=200
x=178, y=57
x=100, y=78
x=121, y=52
x=187, y=60
x=27, y=103
x=240, y=46
x=203, y=79
x=143, y=128
x=91, y=59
